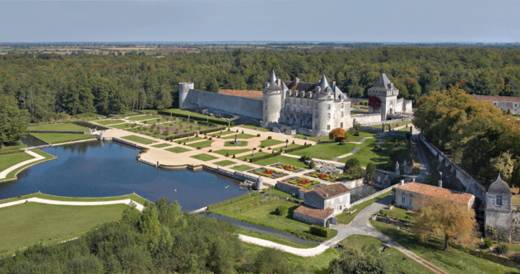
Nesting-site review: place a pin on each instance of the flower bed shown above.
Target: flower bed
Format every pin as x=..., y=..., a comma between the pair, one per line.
x=324, y=175
x=301, y=182
x=287, y=167
x=273, y=174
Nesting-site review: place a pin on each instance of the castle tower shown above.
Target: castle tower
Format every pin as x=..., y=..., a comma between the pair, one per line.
x=322, y=120
x=272, y=100
x=382, y=97
x=498, y=210
x=184, y=88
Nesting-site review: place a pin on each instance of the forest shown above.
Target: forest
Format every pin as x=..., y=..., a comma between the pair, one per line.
x=476, y=135
x=50, y=86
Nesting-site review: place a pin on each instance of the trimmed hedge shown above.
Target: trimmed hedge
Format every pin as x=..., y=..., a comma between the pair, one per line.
x=319, y=231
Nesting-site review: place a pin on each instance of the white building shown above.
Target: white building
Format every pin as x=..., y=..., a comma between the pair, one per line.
x=382, y=97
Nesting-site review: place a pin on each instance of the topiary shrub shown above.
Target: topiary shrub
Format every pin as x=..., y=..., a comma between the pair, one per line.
x=501, y=249
x=281, y=211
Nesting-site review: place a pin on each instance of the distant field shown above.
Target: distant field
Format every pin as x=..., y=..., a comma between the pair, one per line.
x=28, y=224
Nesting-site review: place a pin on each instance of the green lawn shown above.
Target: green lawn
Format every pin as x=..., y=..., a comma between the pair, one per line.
x=189, y=139
x=28, y=224
x=362, y=134
x=256, y=155
x=242, y=167
x=231, y=151
x=109, y=121
x=270, y=142
x=10, y=159
x=201, y=144
x=196, y=115
x=139, y=139
x=239, y=136
x=13, y=174
x=12, y=148
x=132, y=196
x=58, y=127
x=224, y=163
x=240, y=143
x=380, y=155
x=282, y=159
x=143, y=117
x=327, y=151
x=452, y=260
x=161, y=145
x=56, y=138
x=204, y=157
x=177, y=149
x=255, y=127
x=257, y=208
x=122, y=126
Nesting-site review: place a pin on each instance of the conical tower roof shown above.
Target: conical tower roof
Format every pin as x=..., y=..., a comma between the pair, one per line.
x=383, y=81
x=499, y=186
x=323, y=82
x=273, y=78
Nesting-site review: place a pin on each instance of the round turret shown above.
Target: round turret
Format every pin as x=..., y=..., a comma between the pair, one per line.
x=272, y=100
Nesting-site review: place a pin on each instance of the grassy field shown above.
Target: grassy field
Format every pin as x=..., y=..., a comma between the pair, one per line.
x=239, y=136
x=162, y=145
x=139, y=139
x=231, y=151
x=109, y=121
x=28, y=224
x=380, y=154
x=189, y=139
x=282, y=159
x=241, y=167
x=143, y=117
x=56, y=138
x=258, y=208
x=204, y=157
x=452, y=260
x=196, y=115
x=201, y=144
x=270, y=142
x=59, y=127
x=10, y=159
x=132, y=196
x=177, y=149
x=224, y=163
x=13, y=174
x=327, y=151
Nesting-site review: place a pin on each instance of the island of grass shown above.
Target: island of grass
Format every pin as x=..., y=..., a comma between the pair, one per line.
x=326, y=151
x=270, y=142
x=161, y=145
x=27, y=224
x=254, y=156
x=258, y=208
x=108, y=122
x=301, y=182
x=10, y=159
x=58, y=138
x=139, y=139
x=204, y=157
x=224, y=163
x=58, y=127
x=269, y=173
x=177, y=149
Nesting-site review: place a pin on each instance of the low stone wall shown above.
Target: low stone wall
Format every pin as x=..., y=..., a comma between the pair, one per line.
x=470, y=184
x=383, y=191
x=353, y=183
x=290, y=189
x=367, y=119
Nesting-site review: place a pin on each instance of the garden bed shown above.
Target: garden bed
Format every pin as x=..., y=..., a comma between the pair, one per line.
x=269, y=173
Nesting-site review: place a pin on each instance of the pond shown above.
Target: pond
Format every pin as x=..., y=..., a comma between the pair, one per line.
x=96, y=169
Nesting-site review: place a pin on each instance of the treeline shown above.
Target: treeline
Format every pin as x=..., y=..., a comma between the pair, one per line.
x=164, y=240
x=477, y=135
x=47, y=85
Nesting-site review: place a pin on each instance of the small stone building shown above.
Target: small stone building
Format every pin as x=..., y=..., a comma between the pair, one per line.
x=502, y=220
x=413, y=195
x=322, y=204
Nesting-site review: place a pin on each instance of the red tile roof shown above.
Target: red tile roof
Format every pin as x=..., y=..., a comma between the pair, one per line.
x=254, y=94
x=437, y=192
x=321, y=214
x=329, y=191
x=497, y=98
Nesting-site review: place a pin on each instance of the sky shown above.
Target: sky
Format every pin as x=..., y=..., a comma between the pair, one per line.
x=425, y=21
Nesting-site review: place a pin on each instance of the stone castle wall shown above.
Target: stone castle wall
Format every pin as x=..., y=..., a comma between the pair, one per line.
x=467, y=181
x=200, y=99
x=367, y=119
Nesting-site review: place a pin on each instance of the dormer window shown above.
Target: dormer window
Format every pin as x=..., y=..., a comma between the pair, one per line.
x=499, y=200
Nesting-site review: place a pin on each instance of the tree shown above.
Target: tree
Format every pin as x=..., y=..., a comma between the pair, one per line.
x=338, y=135
x=353, y=169
x=271, y=261
x=504, y=164
x=13, y=121
x=355, y=261
x=447, y=220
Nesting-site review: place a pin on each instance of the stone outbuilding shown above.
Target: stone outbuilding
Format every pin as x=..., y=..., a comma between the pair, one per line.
x=502, y=222
x=322, y=204
x=413, y=195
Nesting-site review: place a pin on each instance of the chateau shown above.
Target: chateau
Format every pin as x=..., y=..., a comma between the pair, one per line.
x=295, y=106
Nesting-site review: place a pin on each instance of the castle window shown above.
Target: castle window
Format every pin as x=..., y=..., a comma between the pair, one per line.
x=329, y=106
x=403, y=199
x=342, y=114
x=328, y=127
x=329, y=115
x=499, y=200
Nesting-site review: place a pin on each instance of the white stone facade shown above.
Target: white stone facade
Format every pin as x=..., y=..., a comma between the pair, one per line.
x=382, y=98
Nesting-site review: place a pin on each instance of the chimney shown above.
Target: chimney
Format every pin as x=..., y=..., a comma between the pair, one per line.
x=402, y=181
x=440, y=180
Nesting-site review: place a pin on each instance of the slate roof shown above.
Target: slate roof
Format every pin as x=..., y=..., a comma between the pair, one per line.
x=499, y=187
x=437, y=192
x=321, y=214
x=383, y=81
x=329, y=191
